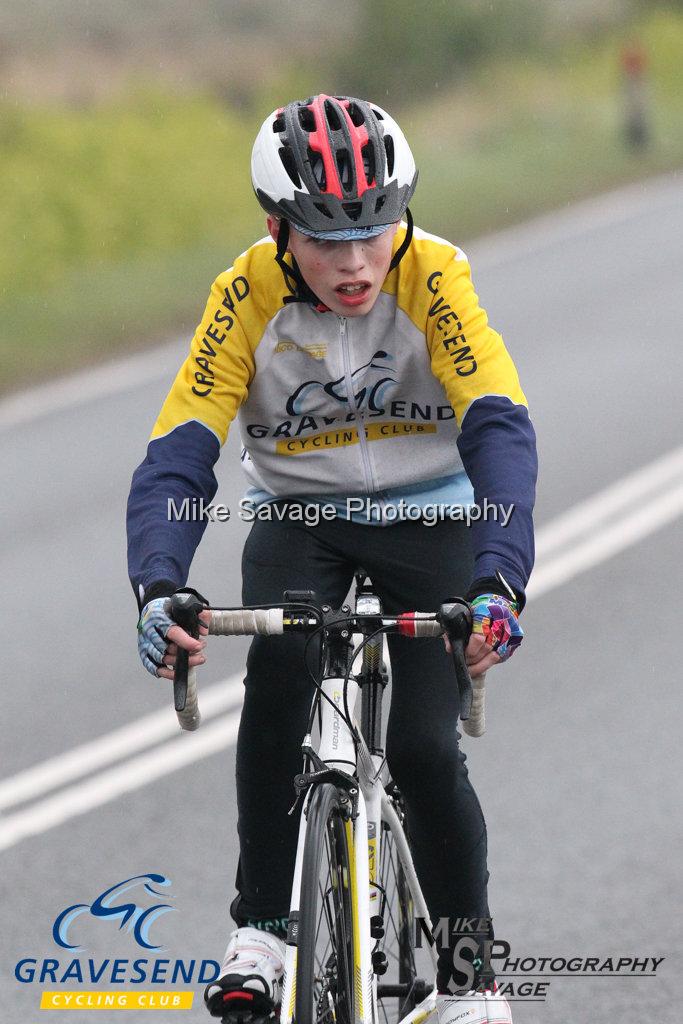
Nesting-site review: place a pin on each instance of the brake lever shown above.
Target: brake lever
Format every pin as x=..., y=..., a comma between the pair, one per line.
x=185, y=609
x=456, y=618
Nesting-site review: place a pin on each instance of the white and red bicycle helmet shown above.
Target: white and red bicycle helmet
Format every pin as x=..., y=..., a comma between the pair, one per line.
x=333, y=163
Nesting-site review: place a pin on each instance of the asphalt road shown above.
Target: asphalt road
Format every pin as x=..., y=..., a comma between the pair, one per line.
x=579, y=772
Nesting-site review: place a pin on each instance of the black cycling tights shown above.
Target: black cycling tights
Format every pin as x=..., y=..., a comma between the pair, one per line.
x=413, y=567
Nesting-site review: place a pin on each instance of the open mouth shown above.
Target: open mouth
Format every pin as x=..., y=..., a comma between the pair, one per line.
x=355, y=290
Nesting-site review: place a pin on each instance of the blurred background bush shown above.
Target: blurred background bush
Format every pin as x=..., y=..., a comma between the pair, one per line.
x=126, y=128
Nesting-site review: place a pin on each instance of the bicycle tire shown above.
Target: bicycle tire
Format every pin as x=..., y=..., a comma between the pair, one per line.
x=328, y=927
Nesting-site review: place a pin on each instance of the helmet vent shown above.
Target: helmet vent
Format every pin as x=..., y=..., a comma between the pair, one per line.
x=278, y=125
x=368, y=153
x=321, y=208
x=289, y=165
x=306, y=119
x=380, y=203
x=378, y=114
x=344, y=167
x=352, y=210
x=332, y=115
x=389, y=147
x=317, y=168
x=356, y=114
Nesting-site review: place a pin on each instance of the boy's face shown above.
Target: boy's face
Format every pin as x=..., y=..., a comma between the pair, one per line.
x=346, y=276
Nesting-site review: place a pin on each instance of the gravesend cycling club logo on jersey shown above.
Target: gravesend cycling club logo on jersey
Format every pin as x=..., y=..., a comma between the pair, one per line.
x=323, y=412
x=108, y=906
x=369, y=384
x=134, y=908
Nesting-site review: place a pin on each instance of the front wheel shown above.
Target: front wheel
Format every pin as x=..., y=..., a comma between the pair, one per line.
x=328, y=936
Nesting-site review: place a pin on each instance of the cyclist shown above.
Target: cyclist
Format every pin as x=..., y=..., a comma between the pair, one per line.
x=352, y=349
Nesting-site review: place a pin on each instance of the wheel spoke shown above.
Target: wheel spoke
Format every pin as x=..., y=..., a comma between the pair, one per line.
x=398, y=919
x=333, y=946
x=325, y=896
x=393, y=904
x=343, y=933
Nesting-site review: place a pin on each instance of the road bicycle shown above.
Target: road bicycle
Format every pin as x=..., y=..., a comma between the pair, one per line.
x=356, y=900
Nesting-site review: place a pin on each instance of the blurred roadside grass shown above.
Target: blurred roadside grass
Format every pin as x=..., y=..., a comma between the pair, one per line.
x=117, y=218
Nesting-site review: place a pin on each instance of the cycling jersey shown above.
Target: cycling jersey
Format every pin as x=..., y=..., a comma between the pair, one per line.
x=415, y=391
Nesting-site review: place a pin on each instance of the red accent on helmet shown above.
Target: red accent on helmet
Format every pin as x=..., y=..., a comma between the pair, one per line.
x=319, y=142
x=238, y=995
x=359, y=138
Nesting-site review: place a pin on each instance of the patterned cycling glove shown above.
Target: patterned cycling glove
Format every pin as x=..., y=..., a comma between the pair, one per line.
x=153, y=626
x=495, y=618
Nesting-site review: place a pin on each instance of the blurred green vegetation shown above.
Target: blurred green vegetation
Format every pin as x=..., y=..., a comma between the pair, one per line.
x=118, y=213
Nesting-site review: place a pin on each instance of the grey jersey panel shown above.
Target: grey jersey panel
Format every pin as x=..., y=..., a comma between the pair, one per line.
x=345, y=404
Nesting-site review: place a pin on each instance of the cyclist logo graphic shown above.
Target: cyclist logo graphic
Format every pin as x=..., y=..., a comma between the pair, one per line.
x=134, y=918
x=372, y=380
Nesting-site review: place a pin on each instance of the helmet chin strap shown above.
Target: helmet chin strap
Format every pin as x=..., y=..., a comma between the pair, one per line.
x=300, y=291
x=403, y=247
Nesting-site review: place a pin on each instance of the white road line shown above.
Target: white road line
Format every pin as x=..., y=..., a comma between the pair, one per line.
x=91, y=385
x=609, y=540
x=632, y=490
x=593, y=545
x=578, y=220
x=123, y=778
x=550, y=229
x=121, y=743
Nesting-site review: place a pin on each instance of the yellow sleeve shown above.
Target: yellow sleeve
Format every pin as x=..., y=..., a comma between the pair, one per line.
x=214, y=380
x=467, y=355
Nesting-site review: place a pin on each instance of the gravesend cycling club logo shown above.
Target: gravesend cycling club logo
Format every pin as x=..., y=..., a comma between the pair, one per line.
x=133, y=907
x=369, y=382
x=106, y=907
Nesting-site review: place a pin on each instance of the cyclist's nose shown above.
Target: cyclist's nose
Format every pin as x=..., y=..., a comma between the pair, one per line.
x=352, y=257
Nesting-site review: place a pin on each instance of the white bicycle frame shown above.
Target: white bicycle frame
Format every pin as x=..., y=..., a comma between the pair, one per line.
x=344, y=749
x=338, y=750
